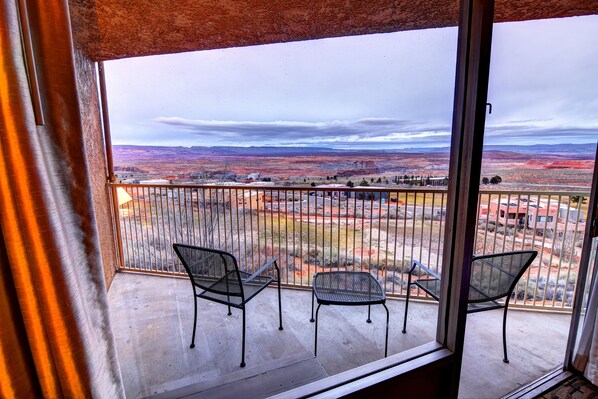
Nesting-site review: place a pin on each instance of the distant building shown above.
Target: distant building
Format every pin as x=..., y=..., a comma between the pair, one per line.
x=225, y=176
x=200, y=175
x=545, y=215
x=366, y=193
x=336, y=191
x=251, y=200
x=259, y=183
x=154, y=181
x=253, y=176
x=437, y=181
x=510, y=213
x=555, y=218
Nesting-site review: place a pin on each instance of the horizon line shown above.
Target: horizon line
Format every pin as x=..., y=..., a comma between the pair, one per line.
x=344, y=148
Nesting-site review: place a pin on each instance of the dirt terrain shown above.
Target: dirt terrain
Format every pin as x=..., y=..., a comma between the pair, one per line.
x=517, y=168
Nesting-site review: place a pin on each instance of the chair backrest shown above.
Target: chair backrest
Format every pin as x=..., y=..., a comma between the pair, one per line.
x=211, y=269
x=495, y=276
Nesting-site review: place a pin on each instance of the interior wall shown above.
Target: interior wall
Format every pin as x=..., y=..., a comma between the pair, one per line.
x=96, y=160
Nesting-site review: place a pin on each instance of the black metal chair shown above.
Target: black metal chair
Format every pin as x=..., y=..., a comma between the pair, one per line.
x=216, y=276
x=493, y=277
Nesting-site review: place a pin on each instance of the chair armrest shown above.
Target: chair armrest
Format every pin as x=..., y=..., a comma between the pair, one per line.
x=264, y=267
x=426, y=269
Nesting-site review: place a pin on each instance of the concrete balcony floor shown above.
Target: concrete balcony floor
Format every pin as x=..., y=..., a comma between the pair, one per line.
x=152, y=317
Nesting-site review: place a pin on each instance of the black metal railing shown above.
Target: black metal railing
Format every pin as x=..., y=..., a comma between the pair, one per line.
x=378, y=230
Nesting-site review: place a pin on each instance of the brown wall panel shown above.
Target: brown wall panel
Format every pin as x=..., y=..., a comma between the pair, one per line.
x=111, y=29
x=96, y=160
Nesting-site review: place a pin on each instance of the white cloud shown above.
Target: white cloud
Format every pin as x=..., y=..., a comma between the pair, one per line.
x=386, y=90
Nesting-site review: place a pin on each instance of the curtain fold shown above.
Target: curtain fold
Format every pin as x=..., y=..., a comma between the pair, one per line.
x=16, y=361
x=60, y=343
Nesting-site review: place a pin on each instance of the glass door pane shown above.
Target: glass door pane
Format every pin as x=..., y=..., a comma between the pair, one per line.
x=537, y=170
x=330, y=155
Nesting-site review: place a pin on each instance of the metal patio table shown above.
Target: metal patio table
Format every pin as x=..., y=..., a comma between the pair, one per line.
x=347, y=288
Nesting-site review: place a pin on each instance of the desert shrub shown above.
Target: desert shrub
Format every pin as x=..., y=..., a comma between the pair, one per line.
x=320, y=258
x=402, y=266
x=495, y=180
x=566, y=249
x=510, y=232
x=337, y=262
x=559, y=290
x=394, y=278
x=545, y=233
x=399, y=214
x=313, y=256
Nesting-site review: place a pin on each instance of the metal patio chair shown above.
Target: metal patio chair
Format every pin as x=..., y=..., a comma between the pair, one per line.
x=493, y=277
x=215, y=276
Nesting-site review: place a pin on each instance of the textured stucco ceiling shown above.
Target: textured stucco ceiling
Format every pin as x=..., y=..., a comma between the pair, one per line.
x=111, y=29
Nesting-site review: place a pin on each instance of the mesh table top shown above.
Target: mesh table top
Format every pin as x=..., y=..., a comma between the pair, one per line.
x=347, y=288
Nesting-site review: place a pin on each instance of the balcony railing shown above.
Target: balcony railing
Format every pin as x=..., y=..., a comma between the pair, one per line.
x=368, y=229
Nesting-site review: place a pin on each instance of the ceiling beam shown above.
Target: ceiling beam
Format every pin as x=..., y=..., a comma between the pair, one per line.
x=112, y=29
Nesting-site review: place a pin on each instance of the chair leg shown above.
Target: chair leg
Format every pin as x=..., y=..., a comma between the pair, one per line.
x=194, y=322
x=312, y=306
x=504, y=333
x=407, y=303
x=279, y=303
x=369, y=320
x=387, y=320
x=316, y=336
x=243, y=344
x=228, y=297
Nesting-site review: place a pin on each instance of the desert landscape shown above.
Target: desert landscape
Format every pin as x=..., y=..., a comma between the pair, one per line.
x=261, y=202
x=549, y=167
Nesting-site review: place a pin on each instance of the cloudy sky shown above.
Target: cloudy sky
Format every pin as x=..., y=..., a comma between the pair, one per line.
x=376, y=91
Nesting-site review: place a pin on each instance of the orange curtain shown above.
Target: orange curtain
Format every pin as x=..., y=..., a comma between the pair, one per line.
x=55, y=334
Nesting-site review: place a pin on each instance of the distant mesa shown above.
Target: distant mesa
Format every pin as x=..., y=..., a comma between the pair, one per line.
x=571, y=165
